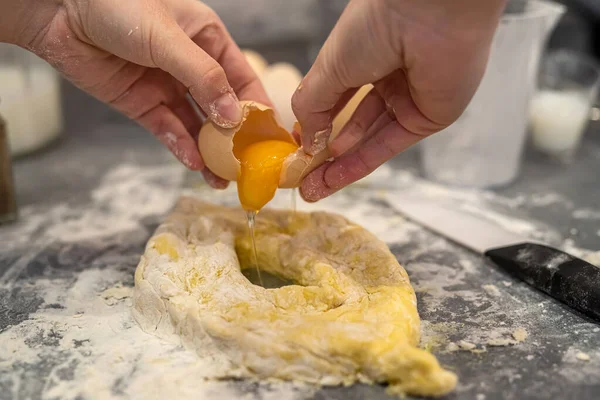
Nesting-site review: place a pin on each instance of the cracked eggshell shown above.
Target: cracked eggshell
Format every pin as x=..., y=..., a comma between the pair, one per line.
x=299, y=164
x=260, y=122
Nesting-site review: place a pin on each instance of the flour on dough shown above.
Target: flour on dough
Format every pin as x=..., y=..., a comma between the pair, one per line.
x=350, y=317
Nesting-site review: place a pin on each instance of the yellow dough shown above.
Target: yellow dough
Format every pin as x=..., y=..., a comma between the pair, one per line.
x=350, y=317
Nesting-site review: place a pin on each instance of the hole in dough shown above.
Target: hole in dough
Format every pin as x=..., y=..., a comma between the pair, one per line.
x=269, y=281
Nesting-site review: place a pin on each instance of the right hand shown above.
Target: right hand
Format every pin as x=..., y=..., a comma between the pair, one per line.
x=425, y=59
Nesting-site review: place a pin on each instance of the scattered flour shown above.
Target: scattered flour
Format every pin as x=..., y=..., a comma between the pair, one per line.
x=86, y=343
x=492, y=290
x=90, y=346
x=466, y=345
x=520, y=334
x=587, y=214
x=582, y=356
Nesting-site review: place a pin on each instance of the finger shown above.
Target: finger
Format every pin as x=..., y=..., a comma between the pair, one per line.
x=314, y=187
x=357, y=129
x=216, y=41
x=356, y=53
x=169, y=129
x=349, y=168
x=201, y=74
x=213, y=180
x=207, y=30
x=313, y=104
x=184, y=111
x=153, y=88
x=396, y=93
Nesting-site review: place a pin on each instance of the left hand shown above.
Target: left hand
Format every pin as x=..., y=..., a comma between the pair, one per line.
x=142, y=57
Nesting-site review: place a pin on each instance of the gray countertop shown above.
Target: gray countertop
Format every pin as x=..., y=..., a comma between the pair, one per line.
x=106, y=171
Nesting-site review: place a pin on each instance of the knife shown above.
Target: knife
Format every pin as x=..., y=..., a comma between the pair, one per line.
x=563, y=276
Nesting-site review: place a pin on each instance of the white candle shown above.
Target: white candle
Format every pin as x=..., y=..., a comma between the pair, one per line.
x=31, y=105
x=558, y=120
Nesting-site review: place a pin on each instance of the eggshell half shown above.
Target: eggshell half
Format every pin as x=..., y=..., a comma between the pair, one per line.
x=216, y=143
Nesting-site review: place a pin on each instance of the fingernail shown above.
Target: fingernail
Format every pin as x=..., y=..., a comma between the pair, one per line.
x=227, y=111
x=347, y=139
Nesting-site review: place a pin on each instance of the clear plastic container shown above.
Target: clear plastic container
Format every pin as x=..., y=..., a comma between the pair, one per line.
x=30, y=100
x=484, y=147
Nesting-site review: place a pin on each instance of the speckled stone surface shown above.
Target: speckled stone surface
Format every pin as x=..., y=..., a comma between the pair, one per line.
x=450, y=281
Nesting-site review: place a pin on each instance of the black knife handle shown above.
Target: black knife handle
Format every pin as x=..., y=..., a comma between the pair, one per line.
x=568, y=279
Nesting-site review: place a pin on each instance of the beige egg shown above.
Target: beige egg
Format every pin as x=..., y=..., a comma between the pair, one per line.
x=218, y=146
x=256, y=61
x=280, y=81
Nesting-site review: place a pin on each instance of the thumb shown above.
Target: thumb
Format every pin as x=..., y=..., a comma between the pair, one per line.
x=205, y=79
x=356, y=53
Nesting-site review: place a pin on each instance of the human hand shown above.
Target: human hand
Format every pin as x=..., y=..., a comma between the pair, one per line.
x=425, y=60
x=142, y=57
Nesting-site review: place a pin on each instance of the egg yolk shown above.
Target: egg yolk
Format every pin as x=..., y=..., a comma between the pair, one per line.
x=261, y=164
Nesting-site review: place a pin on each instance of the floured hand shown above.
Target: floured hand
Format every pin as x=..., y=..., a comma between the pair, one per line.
x=425, y=60
x=142, y=57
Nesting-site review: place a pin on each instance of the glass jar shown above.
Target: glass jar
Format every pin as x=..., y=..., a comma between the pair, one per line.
x=30, y=100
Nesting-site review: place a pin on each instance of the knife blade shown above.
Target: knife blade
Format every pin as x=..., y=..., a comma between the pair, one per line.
x=566, y=278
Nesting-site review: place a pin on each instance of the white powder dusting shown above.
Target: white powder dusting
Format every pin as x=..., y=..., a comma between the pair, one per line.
x=126, y=195
x=492, y=290
x=463, y=345
x=587, y=214
x=546, y=199
x=94, y=347
x=573, y=369
x=98, y=351
x=520, y=334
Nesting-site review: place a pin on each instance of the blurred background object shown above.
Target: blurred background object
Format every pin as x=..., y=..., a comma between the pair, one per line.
x=561, y=109
x=277, y=31
x=280, y=31
x=485, y=146
x=579, y=29
x=30, y=100
x=8, y=201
